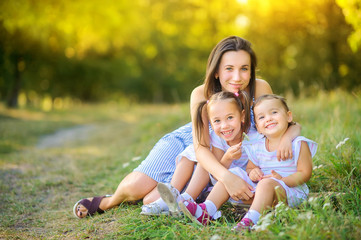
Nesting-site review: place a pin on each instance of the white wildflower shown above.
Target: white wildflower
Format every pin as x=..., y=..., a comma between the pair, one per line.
x=326, y=205
x=279, y=204
x=136, y=158
x=316, y=167
x=311, y=199
x=215, y=237
x=342, y=143
x=125, y=164
x=263, y=222
x=306, y=215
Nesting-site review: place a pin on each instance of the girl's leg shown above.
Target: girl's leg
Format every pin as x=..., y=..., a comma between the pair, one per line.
x=181, y=176
x=218, y=195
x=267, y=195
x=202, y=213
x=198, y=182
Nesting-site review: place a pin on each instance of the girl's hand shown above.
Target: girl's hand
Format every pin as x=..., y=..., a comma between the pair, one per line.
x=234, y=152
x=284, y=150
x=256, y=174
x=273, y=174
x=237, y=188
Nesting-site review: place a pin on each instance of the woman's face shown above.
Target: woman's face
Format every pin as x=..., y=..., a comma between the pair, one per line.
x=234, y=71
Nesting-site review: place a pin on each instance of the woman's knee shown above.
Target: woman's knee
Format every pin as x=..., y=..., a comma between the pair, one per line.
x=135, y=186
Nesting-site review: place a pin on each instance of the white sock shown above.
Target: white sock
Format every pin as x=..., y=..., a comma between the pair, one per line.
x=162, y=204
x=211, y=208
x=253, y=215
x=185, y=196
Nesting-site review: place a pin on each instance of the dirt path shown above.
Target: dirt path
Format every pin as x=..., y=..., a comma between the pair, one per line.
x=64, y=136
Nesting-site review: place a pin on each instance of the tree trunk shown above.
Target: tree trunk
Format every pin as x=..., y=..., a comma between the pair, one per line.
x=15, y=88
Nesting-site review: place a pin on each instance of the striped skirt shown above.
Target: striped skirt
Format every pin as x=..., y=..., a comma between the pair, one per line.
x=160, y=164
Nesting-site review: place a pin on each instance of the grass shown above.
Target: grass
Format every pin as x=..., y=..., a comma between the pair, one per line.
x=38, y=186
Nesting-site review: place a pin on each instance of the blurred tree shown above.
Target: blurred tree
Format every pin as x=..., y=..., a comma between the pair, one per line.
x=352, y=11
x=301, y=45
x=146, y=49
x=153, y=50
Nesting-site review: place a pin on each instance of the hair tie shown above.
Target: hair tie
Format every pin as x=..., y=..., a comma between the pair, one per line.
x=236, y=94
x=207, y=101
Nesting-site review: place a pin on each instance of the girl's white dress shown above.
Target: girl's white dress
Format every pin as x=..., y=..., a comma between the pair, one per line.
x=267, y=161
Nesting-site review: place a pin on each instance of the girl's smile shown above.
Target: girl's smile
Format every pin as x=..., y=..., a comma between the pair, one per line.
x=226, y=120
x=272, y=118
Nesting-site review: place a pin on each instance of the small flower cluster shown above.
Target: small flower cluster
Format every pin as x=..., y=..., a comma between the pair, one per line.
x=342, y=143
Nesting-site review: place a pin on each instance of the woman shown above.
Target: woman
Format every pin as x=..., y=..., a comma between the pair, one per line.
x=231, y=67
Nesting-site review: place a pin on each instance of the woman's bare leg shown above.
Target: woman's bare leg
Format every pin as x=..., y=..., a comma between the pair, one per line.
x=181, y=176
x=133, y=187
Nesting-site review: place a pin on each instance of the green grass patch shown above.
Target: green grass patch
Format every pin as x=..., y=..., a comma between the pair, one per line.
x=39, y=185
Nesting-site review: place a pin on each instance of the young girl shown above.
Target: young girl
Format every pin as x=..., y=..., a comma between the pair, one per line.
x=273, y=180
x=230, y=120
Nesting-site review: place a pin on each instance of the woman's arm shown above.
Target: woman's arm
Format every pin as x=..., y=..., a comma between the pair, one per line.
x=304, y=168
x=236, y=187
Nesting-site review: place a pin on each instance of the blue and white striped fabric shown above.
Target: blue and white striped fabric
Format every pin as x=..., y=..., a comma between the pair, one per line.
x=160, y=164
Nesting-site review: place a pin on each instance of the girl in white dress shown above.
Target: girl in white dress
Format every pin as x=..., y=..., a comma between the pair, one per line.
x=230, y=120
x=272, y=180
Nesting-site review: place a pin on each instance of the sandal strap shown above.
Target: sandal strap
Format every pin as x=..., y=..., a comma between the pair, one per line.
x=92, y=206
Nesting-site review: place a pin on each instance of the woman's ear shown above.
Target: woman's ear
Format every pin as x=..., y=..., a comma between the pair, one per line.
x=216, y=76
x=243, y=116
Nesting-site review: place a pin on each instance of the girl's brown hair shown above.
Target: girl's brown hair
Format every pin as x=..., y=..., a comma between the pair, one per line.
x=242, y=101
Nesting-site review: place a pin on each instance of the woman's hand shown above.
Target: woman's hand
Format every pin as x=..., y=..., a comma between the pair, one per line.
x=237, y=188
x=284, y=150
x=256, y=174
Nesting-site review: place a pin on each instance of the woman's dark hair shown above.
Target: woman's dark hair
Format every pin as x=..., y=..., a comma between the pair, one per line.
x=232, y=43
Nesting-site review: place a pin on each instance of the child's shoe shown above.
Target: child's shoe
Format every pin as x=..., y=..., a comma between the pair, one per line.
x=190, y=211
x=170, y=196
x=153, y=209
x=244, y=224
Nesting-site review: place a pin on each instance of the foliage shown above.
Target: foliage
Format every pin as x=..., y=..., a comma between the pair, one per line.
x=352, y=12
x=152, y=50
x=39, y=185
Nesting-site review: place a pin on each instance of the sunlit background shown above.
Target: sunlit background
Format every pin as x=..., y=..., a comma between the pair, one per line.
x=53, y=53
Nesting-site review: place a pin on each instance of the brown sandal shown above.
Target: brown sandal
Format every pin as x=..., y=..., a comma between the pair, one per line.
x=92, y=206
